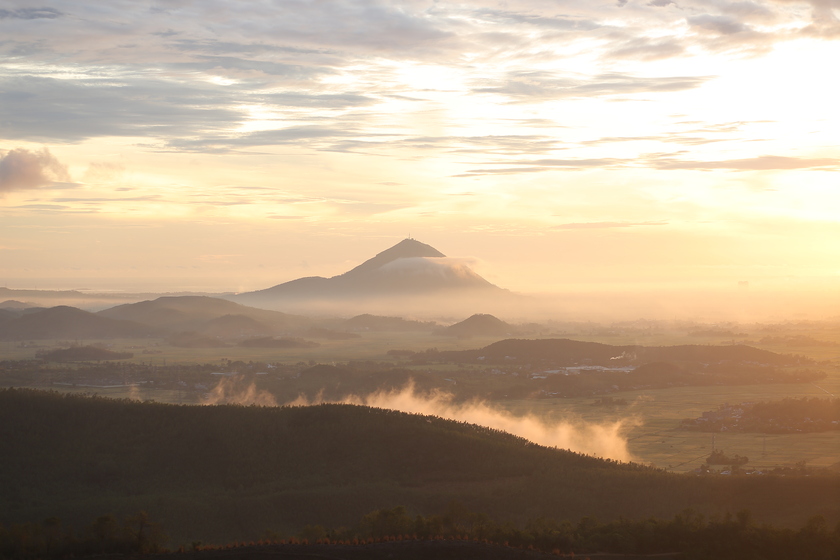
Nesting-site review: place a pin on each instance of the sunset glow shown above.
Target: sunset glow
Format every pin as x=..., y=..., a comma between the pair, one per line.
x=622, y=147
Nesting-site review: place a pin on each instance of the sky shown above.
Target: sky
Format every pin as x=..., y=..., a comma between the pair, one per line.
x=556, y=146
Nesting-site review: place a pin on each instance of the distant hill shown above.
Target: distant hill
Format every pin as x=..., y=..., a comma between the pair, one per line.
x=480, y=324
x=224, y=473
x=70, y=323
x=14, y=304
x=408, y=268
x=566, y=352
x=83, y=354
x=207, y=315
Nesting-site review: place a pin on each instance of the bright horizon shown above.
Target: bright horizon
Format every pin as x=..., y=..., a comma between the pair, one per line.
x=619, y=147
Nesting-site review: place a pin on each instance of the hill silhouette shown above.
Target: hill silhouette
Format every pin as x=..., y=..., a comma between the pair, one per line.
x=70, y=323
x=204, y=314
x=14, y=304
x=83, y=354
x=480, y=324
x=408, y=268
x=223, y=473
x=566, y=352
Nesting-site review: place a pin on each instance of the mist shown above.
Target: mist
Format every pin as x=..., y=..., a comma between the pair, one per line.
x=607, y=439
x=234, y=390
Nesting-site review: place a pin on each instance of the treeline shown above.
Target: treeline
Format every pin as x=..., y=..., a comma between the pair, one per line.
x=106, y=535
x=690, y=533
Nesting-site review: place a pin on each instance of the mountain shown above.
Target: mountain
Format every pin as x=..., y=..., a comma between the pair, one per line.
x=211, y=316
x=70, y=323
x=409, y=268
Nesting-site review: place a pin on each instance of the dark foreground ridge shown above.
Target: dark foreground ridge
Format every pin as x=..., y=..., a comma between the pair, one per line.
x=231, y=473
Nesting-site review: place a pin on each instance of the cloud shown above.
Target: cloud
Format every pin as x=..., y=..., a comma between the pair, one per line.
x=24, y=169
x=761, y=163
x=38, y=108
x=645, y=49
x=545, y=86
x=538, y=165
x=320, y=101
x=30, y=13
x=724, y=25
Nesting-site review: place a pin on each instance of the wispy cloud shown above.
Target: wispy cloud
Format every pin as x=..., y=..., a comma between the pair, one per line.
x=30, y=13
x=762, y=163
x=545, y=86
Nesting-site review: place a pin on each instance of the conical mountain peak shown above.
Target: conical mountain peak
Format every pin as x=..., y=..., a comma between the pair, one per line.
x=407, y=248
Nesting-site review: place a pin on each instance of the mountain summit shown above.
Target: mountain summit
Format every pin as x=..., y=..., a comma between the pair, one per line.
x=409, y=268
x=405, y=249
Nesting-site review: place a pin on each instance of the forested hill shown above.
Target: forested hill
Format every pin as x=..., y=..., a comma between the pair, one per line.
x=566, y=352
x=222, y=473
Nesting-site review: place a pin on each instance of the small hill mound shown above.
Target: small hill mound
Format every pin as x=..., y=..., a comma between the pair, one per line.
x=480, y=324
x=14, y=304
x=83, y=354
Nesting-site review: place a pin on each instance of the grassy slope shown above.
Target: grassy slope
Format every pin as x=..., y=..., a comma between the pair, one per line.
x=224, y=473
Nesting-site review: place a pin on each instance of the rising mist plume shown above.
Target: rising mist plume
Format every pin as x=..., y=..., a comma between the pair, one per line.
x=600, y=439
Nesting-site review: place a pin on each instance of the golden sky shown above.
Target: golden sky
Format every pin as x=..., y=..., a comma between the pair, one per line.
x=226, y=145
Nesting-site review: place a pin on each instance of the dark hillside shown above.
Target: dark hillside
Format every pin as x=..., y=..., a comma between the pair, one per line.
x=227, y=473
x=194, y=313
x=70, y=323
